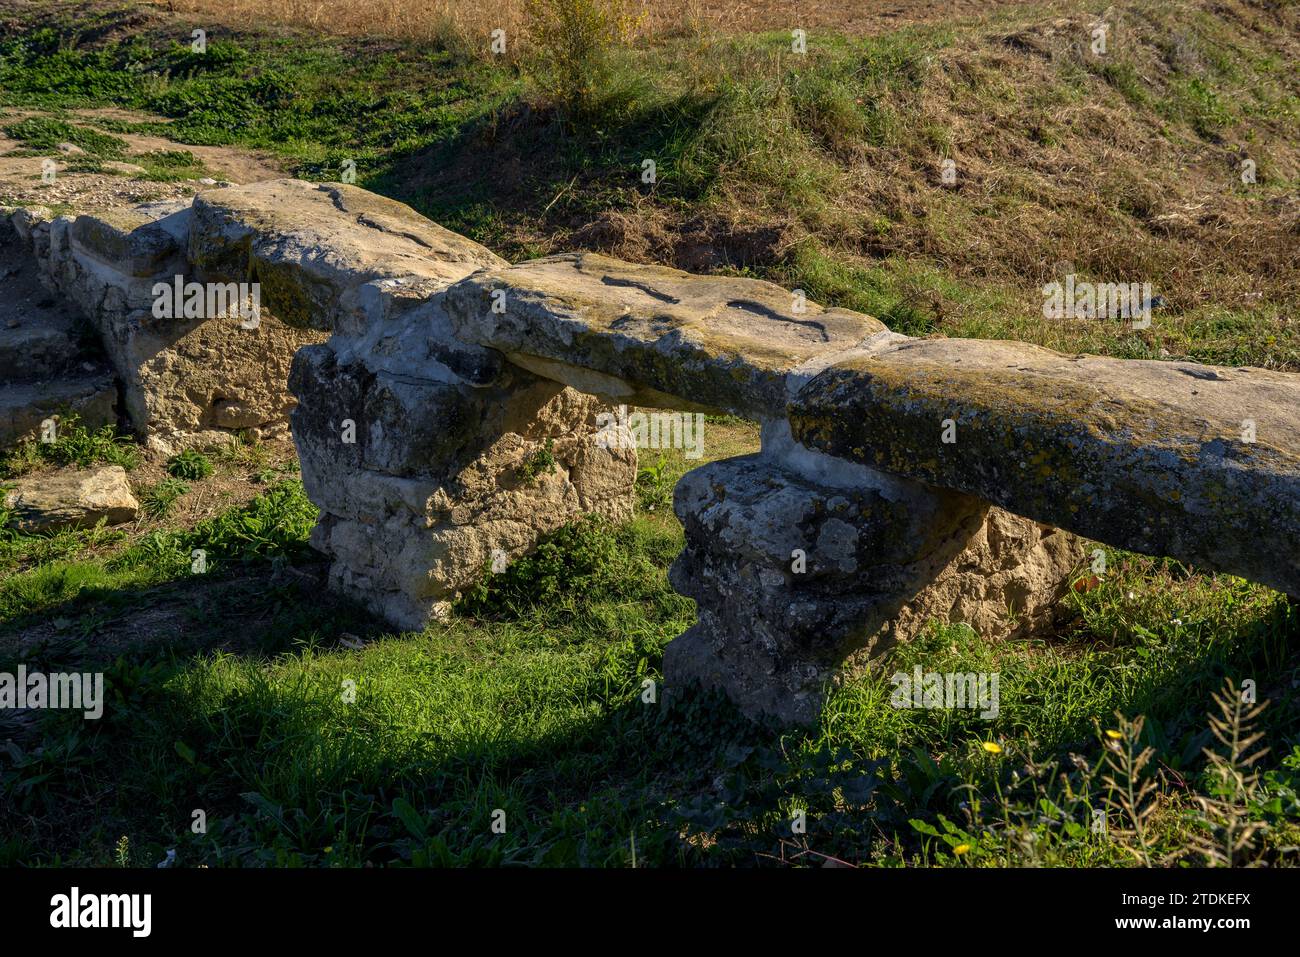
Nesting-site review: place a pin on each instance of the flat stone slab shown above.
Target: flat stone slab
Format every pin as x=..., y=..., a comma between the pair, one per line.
x=651, y=335
x=1175, y=459
x=313, y=245
x=71, y=499
x=142, y=241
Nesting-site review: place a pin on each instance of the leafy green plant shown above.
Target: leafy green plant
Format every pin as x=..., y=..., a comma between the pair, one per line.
x=540, y=462
x=654, y=484
x=587, y=557
x=189, y=464
x=73, y=444
x=573, y=40
x=45, y=134
x=275, y=524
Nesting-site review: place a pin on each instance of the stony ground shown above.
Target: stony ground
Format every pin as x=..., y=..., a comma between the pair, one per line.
x=115, y=183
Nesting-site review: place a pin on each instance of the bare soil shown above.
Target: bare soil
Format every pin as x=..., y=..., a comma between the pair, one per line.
x=20, y=176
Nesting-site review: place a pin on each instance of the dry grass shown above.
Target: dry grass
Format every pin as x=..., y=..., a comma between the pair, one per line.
x=473, y=22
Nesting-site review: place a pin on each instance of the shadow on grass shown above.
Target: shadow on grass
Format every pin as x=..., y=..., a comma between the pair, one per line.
x=527, y=740
x=259, y=608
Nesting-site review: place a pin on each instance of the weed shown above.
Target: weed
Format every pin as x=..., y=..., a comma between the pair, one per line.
x=1225, y=832
x=539, y=462
x=189, y=464
x=73, y=444
x=654, y=484
x=158, y=499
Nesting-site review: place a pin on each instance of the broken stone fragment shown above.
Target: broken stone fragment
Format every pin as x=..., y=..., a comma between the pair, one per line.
x=1172, y=459
x=71, y=499
x=649, y=335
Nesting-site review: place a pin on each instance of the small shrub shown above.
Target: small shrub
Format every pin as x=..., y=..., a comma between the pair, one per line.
x=572, y=41
x=190, y=464
x=277, y=523
x=580, y=558
x=541, y=462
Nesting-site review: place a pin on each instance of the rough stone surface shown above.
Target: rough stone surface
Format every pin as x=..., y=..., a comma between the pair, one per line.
x=183, y=381
x=24, y=406
x=1004, y=584
x=651, y=335
x=313, y=246
x=49, y=361
x=439, y=482
x=878, y=561
x=1142, y=455
x=71, y=499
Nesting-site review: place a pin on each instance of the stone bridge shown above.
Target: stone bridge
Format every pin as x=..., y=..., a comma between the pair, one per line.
x=899, y=479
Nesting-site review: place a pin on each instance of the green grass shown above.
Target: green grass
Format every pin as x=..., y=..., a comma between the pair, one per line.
x=275, y=524
x=44, y=134
x=158, y=500
x=834, y=152
x=532, y=700
x=169, y=166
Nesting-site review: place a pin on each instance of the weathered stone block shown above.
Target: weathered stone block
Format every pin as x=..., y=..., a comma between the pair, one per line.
x=1175, y=459
x=650, y=335
x=146, y=241
x=71, y=498
x=443, y=479
x=312, y=246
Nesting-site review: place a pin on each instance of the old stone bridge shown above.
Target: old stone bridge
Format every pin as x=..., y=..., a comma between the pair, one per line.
x=899, y=479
